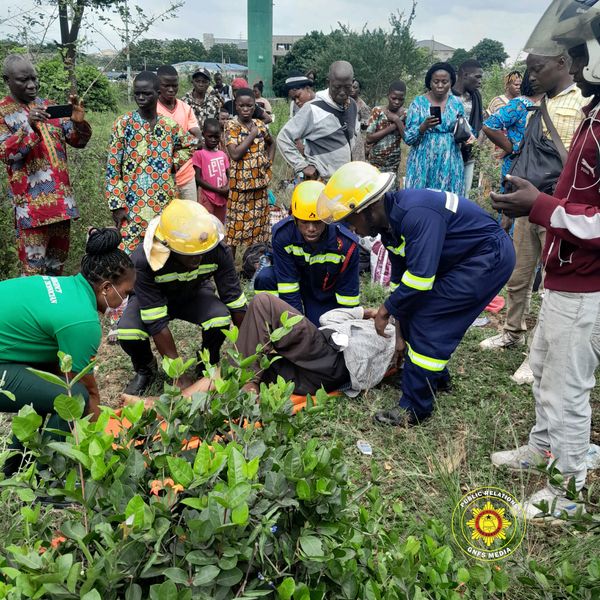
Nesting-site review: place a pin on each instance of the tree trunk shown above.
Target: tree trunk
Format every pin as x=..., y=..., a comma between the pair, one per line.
x=69, y=32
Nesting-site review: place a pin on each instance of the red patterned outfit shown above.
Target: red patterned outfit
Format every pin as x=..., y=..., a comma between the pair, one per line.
x=39, y=186
x=139, y=173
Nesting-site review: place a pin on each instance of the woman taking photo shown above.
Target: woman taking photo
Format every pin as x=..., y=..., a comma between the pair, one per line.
x=41, y=315
x=435, y=160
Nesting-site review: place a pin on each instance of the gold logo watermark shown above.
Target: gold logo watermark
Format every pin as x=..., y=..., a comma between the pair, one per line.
x=488, y=524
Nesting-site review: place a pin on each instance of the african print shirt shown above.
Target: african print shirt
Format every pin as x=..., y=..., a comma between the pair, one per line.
x=208, y=109
x=253, y=171
x=385, y=154
x=139, y=173
x=512, y=119
x=36, y=163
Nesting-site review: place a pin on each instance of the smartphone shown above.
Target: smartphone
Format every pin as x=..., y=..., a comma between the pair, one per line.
x=59, y=111
x=436, y=111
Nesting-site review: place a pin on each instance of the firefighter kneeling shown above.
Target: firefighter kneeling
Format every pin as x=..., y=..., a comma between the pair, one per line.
x=182, y=252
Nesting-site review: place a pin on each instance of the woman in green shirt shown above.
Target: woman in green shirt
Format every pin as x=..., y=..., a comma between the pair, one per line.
x=41, y=315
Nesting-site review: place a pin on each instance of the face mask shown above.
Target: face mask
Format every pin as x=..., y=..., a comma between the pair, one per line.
x=109, y=310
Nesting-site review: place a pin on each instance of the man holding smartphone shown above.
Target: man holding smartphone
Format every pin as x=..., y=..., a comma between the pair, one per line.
x=33, y=142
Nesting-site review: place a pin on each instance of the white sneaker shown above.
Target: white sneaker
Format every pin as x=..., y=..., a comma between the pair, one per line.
x=557, y=505
x=502, y=340
x=521, y=459
x=523, y=375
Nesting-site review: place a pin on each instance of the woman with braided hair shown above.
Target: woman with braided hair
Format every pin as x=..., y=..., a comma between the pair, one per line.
x=42, y=315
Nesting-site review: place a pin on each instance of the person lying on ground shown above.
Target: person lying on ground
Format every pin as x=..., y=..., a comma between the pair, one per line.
x=449, y=259
x=182, y=252
x=345, y=353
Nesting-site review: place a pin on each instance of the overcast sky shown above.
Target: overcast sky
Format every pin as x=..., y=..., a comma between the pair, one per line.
x=457, y=23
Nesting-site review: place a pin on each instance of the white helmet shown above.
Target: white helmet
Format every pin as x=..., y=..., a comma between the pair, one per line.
x=566, y=24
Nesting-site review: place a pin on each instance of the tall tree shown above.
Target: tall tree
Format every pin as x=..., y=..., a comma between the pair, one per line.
x=302, y=57
x=228, y=53
x=180, y=50
x=74, y=15
x=489, y=52
x=379, y=56
x=459, y=57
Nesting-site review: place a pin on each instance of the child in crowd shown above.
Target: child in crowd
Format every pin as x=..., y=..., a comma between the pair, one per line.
x=212, y=171
x=224, y=116
x=251, y=150
x=386, y=129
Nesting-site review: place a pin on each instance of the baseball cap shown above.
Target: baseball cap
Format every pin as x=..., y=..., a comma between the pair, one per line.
x=202, y=71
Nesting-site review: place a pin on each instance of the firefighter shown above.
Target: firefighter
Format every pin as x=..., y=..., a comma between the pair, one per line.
x=315, y=265
x=182, y=252
x=449, y=259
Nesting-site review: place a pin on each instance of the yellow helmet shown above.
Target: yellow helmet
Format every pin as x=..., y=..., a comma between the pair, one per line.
x=304, y=200
x=351, y=189
x=186, y=227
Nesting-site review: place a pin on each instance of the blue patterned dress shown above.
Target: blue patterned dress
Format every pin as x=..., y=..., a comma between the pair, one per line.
x=511, y=118
x=434, y=160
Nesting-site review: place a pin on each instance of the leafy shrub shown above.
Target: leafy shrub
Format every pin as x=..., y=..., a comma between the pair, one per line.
x=54, y=84
x=220, y=497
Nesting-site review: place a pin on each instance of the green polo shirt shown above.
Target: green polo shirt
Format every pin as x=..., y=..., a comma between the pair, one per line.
x=41, y=315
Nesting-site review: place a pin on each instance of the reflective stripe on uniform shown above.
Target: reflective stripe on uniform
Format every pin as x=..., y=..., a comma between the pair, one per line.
x=347, y=300
x=239, y=303
x=426, y=362
x=288, y=288
x=216, y=322
x=153, y=314
x=398, y=250
x=393, y=286
x=418, y=283
x=132, y=334
x=451, y=202
x=272, y=292
x=315, y=258
x=187, y=275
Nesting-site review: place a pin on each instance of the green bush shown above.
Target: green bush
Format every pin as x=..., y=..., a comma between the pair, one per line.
x=93, y=85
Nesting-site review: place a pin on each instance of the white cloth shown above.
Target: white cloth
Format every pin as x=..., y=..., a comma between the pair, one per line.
x=367, y=355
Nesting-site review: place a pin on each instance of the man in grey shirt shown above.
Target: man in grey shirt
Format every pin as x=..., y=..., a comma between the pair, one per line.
x=328, y=127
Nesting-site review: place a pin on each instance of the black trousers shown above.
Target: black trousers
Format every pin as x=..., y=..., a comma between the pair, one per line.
x=201, y=307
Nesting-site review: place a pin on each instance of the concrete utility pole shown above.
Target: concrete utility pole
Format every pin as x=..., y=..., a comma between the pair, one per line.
x=260, y=44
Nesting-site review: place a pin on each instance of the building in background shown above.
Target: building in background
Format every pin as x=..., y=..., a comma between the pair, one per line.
x=282, y=44
x=437, y=50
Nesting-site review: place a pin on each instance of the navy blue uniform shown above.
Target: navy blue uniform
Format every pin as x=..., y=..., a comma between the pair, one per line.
x=449, y=259
x=312, y=278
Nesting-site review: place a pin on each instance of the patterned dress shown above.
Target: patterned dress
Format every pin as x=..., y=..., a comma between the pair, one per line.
x=511, y=118
x=434, y=160
x=248, y=206
x=386, y=153
x=39, y=186
x=139, y=173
